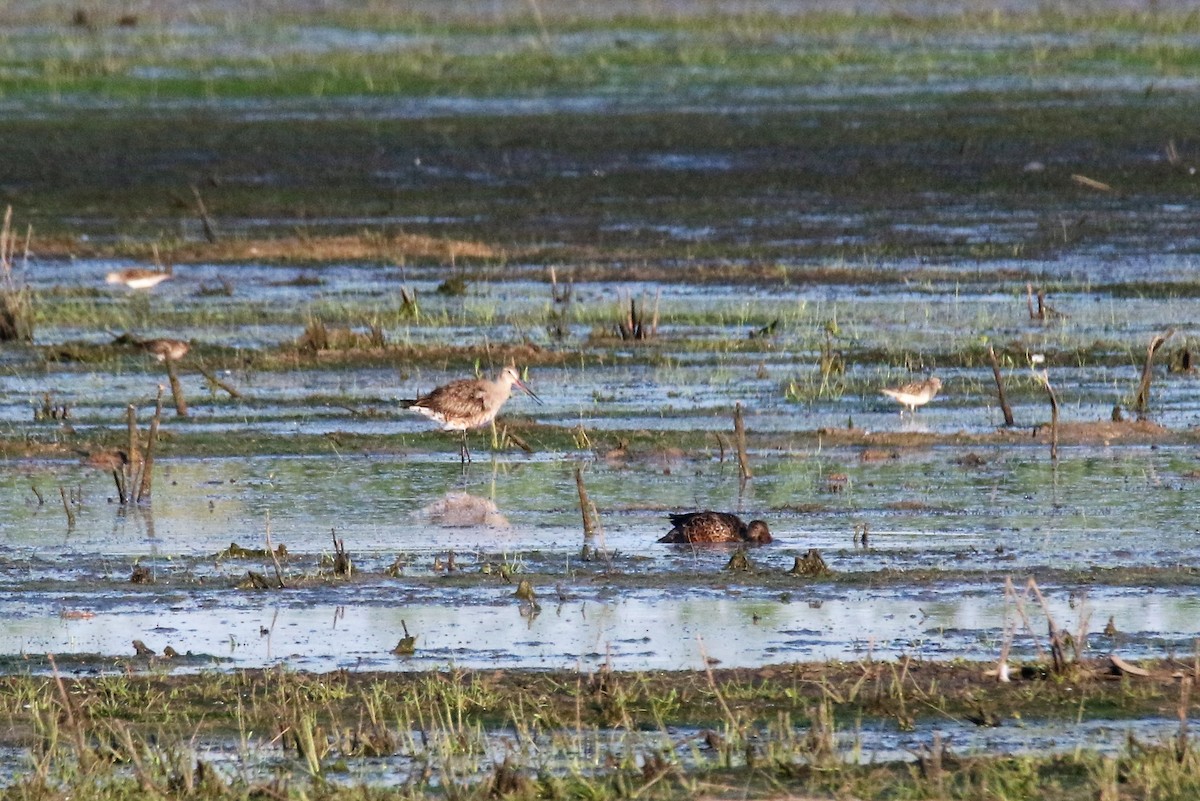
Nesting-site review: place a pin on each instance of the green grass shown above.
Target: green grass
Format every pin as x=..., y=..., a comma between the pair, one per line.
x=648, y=55
x=763, y=732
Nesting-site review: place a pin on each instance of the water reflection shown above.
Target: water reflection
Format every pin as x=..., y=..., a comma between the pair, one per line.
x=463, y=510
x=640, y=630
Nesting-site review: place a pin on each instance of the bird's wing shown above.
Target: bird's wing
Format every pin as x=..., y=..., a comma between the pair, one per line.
x=693, y=518
x=462, y=398
x=682, y=519
x=912, y=388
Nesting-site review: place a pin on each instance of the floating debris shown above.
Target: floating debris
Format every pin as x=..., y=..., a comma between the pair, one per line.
x=1120, y=666
x=341, y=559
x=739, y=562
x=235, y=551
x=255, y=581
x=812, y=564
x=408, y=643
x=970, y=459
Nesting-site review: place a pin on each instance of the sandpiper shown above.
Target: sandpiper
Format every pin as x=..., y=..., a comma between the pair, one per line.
x=111, y=459
x=469, y=403
x=137, y=277
x=716, y=527
x=918, y=393
x=164, y=349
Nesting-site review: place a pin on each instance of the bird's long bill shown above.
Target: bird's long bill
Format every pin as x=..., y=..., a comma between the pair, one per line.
x=531, y=393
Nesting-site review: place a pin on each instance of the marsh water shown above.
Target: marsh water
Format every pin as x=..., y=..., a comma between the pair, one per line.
x=805, y=235
x=626, y=600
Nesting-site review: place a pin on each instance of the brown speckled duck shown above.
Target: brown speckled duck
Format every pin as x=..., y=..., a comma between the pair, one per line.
x=704, y=527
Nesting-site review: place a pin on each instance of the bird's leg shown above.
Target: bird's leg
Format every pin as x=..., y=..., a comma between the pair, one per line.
x=465, y=452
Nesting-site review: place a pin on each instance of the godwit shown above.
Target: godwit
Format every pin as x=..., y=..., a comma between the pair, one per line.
x=918, y=393
x=469, y=403
x=716, y=527
x=137, y=277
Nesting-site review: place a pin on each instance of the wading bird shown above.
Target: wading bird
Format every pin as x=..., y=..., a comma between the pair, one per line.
x=137, y=277
x=918, y=393
x=469, y=403
x=164, y=349
x=161, y=349
x=716, y=527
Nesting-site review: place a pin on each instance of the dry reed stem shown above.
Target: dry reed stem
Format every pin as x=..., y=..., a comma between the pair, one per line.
x=133, y=465
x=74, y=725
x=1008, y=415
x=1141, y=401
x=6, y=246
x=210, y=232
x=16, y=314
x=1056, y=652
x=1091, y=183
x=145, y=486
x=232, y=391
x=1044, y=378
x=67, y=507
x=739, y=430
x=585, y=505
x=274, y=556
x=181, y=407
x=1185, y=695
x=341, y=560
x=1011, y=592
x=712, y=683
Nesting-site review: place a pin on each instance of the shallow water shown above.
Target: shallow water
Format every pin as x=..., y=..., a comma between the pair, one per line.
x=703, y=360
x=1015, y=516
x=1102, y=507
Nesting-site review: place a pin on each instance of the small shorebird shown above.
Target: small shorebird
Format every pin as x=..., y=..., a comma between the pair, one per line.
x=469, y=403
x=716, y=527
x=137, y=277
x=113, y=459
x=164, y=349
x=918, y=393
x=161, y=349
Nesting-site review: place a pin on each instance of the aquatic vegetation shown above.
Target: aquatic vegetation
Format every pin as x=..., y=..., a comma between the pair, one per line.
x=767, y=730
